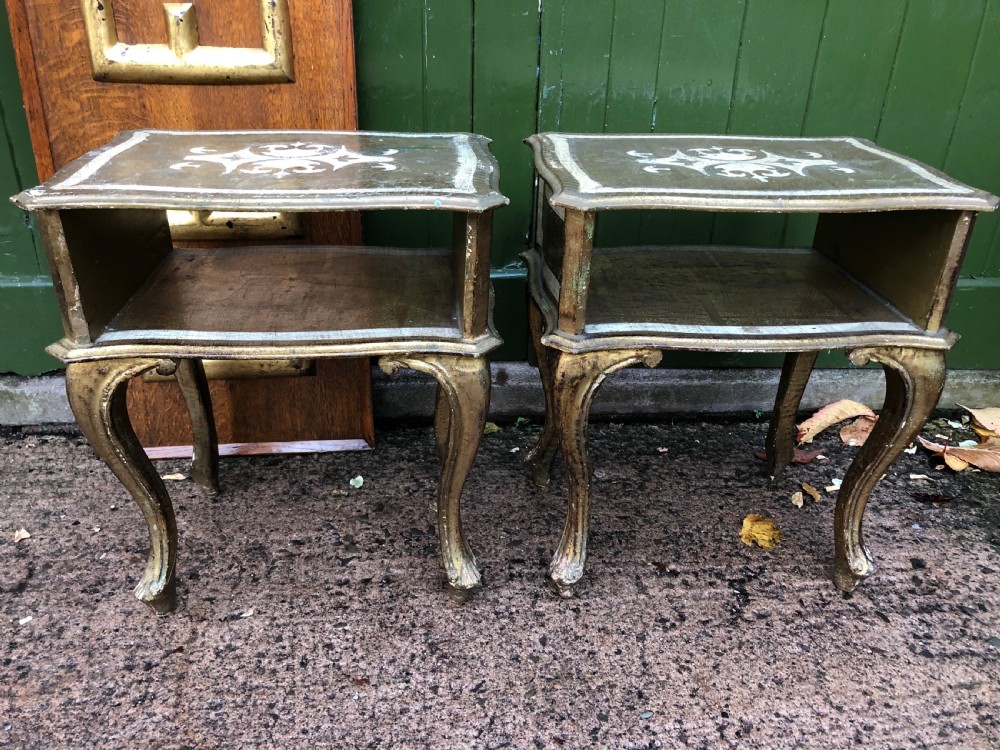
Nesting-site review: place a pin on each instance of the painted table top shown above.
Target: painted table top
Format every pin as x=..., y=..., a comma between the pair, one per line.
x=288, y=170
x=741, y=173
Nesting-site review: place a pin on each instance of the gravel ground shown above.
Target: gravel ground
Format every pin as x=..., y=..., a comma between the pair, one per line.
x=314, y=615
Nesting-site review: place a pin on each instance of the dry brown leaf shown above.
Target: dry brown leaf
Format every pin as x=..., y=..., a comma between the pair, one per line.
x=812, y=492
x=857, y=432
x=760, y=531
x=797, y=499
x=21, y=534
x=988, y=418
x=830, y=415
x=954, y=463
x=985, y=456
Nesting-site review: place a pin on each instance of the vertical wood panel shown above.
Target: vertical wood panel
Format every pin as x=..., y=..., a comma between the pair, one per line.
x=505, y=73
x=699, y=46
x=929, y=78
x=389, y=35
x=853, y=66
x=636, y=32
x=447, y=71
x=774, y=76
x=974, y=151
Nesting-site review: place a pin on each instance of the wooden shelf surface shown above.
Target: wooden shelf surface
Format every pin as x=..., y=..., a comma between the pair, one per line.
x=292, y=294
x=732, y=293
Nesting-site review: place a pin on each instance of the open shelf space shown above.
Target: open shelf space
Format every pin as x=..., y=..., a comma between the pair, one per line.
x=733, y=293
x=292, y=294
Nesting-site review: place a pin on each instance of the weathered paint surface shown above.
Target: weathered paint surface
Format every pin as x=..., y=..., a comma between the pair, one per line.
x=917, y=76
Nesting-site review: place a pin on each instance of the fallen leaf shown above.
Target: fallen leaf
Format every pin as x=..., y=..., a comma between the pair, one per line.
x=830, y=415
x=857, y=432
x=521, y=421
x=988, y=418
x=985, y=456
x=760, y=531
x=797, y=499
x=812, y=492
x=20, y=535
x=173, y=477
x=357, y=481
x=954, y=463
x=834, y=485
x=489, y=428
x=361, y=681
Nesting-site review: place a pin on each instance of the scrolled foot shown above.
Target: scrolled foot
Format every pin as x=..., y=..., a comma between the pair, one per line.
x=576, y=379
x=849, y=574
x=161, y=596
x=96, y=392
x=914, y=379
x=460, y=414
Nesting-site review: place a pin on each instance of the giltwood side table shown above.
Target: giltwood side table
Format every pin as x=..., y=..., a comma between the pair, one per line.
x=132, y=303
x=876, y=281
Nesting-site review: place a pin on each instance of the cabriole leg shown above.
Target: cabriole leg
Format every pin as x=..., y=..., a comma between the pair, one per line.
x=442, y=423
x=464, y=394
x=576, y=379
x=96, y=393
x=780, y=446
x=914, y=379
x=191, y=378
x=540, y=458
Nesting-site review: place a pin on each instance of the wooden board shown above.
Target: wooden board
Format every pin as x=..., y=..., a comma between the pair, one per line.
x=69, y=113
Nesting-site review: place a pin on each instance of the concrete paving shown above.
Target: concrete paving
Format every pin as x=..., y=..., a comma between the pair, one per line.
x=314, y=614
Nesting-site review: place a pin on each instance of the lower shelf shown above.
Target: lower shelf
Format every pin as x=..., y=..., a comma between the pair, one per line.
x=731, y=292
x=292, y=294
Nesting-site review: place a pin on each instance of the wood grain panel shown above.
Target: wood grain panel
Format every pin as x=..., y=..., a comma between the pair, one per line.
x=69, y=113
x=976, y=124
x=770, y=94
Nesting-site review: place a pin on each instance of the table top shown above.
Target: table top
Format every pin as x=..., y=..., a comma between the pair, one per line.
x=277, y=170
x=741, y=173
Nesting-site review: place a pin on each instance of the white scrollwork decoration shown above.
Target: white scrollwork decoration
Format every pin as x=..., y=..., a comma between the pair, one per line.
x=753, y=163
x=284, y=159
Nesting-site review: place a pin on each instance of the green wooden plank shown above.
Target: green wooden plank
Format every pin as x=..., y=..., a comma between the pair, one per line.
x=973, y=314
x=550, y=64
x=971, y=157
x=774, y=76
x=853, y=67
x=993, y=260
x=447, y=63
x=510, y=316
x=505, y=72
x=29, y=321
x=389, y=54
x=586, y=58
x=929, y=78
x=631, y=94
x=699, y=46
x=20, y=254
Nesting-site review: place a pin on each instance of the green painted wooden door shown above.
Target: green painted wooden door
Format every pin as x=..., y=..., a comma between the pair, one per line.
x=918, y=76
